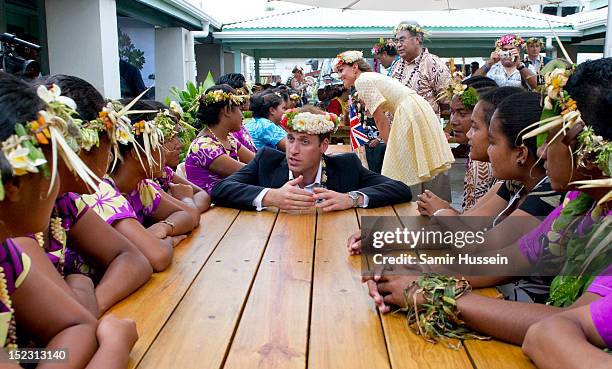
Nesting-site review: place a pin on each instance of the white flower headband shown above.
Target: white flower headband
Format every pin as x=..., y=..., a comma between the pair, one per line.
x=306, y=122
x=347, y=57
x=57, y=126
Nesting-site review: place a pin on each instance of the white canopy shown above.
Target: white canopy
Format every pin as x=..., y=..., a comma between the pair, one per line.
x=415, y=5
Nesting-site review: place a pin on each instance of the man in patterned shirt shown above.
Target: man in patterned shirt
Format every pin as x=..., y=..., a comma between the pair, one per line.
x=417, y=69
x=426, y=74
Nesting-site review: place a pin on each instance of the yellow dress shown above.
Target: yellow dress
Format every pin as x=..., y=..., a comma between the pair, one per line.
x=417, y=149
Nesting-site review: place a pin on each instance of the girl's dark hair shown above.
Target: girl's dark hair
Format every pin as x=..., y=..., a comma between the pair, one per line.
x=389, y=49
x=208, y=114
x=482, y=84
x=88, y=100
x=143, y=105
x=591, y=87
x=494, y=97
x=261, y=103
x=235, y=80
x=516, y=112
x=19, y=103
x=284, y=92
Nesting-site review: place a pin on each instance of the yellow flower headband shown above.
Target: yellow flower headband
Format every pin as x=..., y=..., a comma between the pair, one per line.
x=413, y=28
x=218, y=96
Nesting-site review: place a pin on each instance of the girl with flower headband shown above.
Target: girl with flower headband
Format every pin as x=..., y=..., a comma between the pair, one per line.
x=386, y=54
x=415, y=153
x=183, y=193
x=215, y=153
x=268, y=108
x=27, y=196
x=238, y=82
x=478, y=177
x=72, y=242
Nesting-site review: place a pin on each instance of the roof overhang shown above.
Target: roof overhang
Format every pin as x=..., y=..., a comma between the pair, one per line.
x=168, y=13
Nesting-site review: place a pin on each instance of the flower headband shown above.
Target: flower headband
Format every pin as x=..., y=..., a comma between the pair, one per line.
x=347, y=57
x=412, y=28
x=515, y=40
x=306, y=122
x=56, y=125
x=152, y=138
x=379, y=47
x=217, y=96
x=467, y=95
x=561, y=111
x=167, y=122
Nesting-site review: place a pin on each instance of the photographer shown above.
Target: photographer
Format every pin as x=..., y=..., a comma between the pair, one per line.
x=505, y=66
x=19, y=57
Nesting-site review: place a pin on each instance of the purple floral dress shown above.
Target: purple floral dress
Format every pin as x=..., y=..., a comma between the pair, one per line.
x=203, y=151
x=244, y=137
x=108, y=203
x=15, y=267
x=145, y=199
x=165, y=180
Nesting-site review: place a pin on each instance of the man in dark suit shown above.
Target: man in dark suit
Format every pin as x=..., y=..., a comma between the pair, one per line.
x=304, y=177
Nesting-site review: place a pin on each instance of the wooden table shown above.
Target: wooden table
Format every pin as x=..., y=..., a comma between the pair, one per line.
x=278, y=290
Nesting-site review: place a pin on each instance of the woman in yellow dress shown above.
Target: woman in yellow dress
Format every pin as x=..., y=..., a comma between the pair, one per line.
x=417, y=149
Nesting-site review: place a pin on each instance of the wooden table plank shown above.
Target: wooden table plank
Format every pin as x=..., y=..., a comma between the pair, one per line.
x=200, y=331
x=273, y=330
x=495, y=354
x=345, y=329
x=407, y=350
x=152, y=304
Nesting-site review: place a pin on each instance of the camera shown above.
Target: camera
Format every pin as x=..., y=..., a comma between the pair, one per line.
x=504, y=54
x=14, y=63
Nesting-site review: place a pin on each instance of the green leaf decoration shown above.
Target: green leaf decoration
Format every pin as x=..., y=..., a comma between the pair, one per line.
x=208, y=82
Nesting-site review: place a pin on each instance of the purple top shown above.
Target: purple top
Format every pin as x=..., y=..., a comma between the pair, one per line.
x=108, y=203
x=15, y=266
x=244, y=137
x=203, y=151
x=145, y=199
x=601, y=311
x=165, y=180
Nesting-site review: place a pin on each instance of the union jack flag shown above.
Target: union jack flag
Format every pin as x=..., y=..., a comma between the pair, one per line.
x=358, y=133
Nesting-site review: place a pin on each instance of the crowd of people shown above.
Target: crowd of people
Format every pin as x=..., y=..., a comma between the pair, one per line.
x=75, y=165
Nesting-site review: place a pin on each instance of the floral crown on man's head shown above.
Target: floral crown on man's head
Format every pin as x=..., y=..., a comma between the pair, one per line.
x=510, y=39
x=347, y=57
x=58, y=126
x=310, y=123
x=219, y=96
x=467, y=95
x=412, y=28
x=561, y=111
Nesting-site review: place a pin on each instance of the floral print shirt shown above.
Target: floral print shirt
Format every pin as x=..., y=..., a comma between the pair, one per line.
x=15, y=267
x=203, y=151
x=265, y=133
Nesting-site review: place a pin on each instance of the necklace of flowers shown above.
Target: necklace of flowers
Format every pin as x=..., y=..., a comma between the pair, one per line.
x=233, y=147
x=5, y=298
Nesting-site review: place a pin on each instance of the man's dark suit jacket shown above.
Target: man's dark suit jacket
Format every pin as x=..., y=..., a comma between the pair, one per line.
x=344, y=174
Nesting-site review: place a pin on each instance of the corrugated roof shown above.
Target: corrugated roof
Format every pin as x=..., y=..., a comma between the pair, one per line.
x=321, y=18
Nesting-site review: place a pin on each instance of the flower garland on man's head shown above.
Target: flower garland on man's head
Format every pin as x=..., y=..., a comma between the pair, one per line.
x=346, y=58
x=412, y=28
x=310, y=123
x=57, y=126
x=510, y=39
x=467, y=95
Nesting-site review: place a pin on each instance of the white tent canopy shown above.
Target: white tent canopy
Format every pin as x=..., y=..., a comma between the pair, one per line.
x=407, y=5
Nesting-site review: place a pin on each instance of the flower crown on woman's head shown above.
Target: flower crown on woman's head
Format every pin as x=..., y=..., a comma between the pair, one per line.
x=218, y=96
x=412, y=28
x=310, y=123
x=152, y=139
x=56, y=125
x=170, y=121
x=467, y=95
x=510, y=39
x=295, y=97
x=561, y=111
x=347, y=57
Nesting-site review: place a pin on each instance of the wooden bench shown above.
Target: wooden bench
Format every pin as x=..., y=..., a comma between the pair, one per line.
x=278, y=290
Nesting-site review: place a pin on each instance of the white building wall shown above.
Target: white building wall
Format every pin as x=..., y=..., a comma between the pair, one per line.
x=82, y=41
x=171, y=61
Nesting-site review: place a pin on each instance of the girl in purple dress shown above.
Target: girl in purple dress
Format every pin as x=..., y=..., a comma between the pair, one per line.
x=215, y=153
x=27, y=197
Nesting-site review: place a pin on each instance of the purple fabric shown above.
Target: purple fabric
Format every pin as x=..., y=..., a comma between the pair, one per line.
x=602, y=284
x=532, y=244
x=108, y=203
x=165, y=180
x=203, y=151
x=601, y=313
x=11, y=260
x=244, y=137
x=145, y=199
